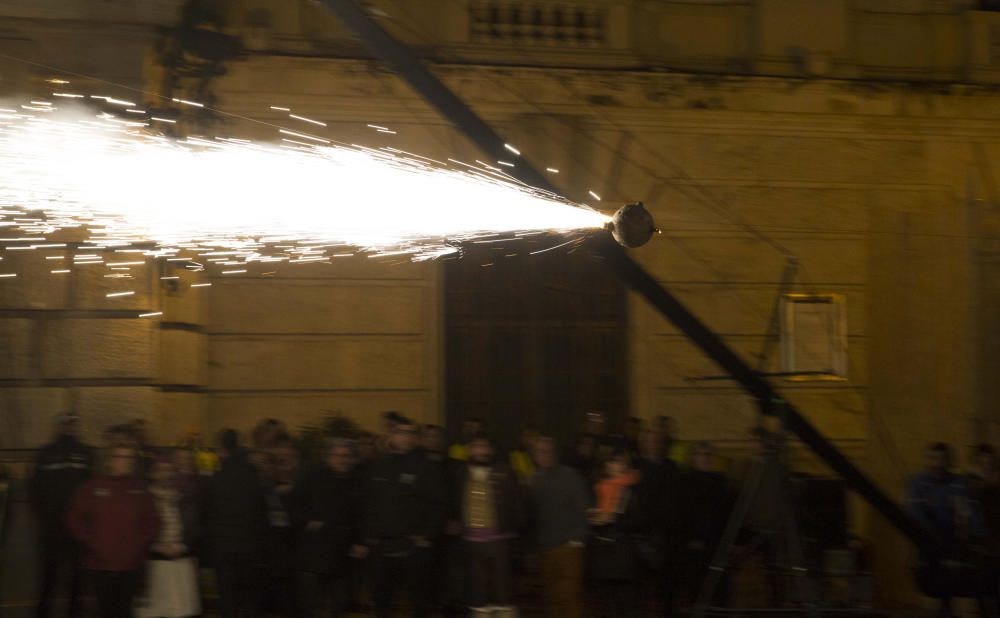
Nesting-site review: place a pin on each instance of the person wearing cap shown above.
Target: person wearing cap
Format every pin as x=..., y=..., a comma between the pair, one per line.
x=60, y=468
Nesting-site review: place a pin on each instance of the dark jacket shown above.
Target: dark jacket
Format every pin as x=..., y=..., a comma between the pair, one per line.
x=60, y=469
x=943, y=506
x=614, y=553
x=559, y=503
x=335, y=501
x=115, y=519
x=234, y=508
x=404, y=498
x=706, y=503
x=506, y=494
x=281, y=536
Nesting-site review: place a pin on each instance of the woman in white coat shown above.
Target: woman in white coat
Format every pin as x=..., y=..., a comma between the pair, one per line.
x=171, y=570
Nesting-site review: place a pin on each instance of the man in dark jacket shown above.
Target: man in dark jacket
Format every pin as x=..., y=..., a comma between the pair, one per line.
x=404, y=510
x=329, y=511
x=485, y=508
x=707, y=502
x=280, y=540
x=235, y=524
x=60, y=468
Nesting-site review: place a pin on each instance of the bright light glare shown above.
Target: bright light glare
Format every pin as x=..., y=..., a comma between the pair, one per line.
x=127, y=184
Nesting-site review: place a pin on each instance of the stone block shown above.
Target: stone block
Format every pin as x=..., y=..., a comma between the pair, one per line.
x=103, y=406
x=99, y=348
x=34, y=287
x=27, y=415
x=18, y=357
x=330, y=362
x=306, y=307
x=91, y=286
x=183, y=358
x=700, y=33
x=179, y=301
x=787, y=27
x=177, y=414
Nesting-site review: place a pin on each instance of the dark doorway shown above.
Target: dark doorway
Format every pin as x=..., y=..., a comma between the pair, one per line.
x=533, y=340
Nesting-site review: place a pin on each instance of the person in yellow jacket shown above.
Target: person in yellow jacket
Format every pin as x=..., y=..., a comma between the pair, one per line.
x=673, y=449
x=471, y=427
x=521, y=461
x=206, y=460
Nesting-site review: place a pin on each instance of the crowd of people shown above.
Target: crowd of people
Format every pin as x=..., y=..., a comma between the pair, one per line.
x=617, y=525
x=375, y=520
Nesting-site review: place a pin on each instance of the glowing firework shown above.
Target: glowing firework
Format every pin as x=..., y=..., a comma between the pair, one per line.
x=123, y=184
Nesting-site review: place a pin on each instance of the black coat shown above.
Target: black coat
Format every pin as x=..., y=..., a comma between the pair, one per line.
x=60, y=468
x=707, y=502
x=281, y=537
x=404, y=498
x=659, y=492
x=235, y=508
x=334, y=500
x=613, y=550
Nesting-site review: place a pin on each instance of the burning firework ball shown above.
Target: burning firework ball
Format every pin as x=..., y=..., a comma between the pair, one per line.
x=632, y=226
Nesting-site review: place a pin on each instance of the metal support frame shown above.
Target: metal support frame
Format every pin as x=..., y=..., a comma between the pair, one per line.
x=399, y=58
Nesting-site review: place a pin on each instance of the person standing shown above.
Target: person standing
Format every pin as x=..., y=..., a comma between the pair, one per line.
x=485, y=506
x=404, y=510
x=559, y=503
x=60, y=468
x=706, y=501
x=673, y=448
x=235, y=525
x=446, y=569
x=171, y=570
x=280, y=539
x=614, y=561
x=470, y=427
x=329, y=541
x=114, y=518
x=521, y=458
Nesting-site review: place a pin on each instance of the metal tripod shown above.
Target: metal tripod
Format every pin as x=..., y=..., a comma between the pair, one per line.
x=780, y=540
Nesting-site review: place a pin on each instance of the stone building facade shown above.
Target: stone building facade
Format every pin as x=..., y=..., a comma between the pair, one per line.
x=861, y=137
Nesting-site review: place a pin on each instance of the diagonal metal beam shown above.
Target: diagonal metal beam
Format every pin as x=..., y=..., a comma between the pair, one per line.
x=401, y=60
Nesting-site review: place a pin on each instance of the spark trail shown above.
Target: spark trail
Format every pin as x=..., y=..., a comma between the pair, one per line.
x=124, y=184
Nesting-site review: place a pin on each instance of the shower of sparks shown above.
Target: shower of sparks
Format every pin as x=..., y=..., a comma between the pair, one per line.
x=113, y=184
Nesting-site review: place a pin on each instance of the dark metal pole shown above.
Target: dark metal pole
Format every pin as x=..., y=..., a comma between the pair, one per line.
x=400, y=59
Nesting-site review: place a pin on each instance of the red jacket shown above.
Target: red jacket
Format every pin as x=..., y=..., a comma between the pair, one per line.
x=115, y=519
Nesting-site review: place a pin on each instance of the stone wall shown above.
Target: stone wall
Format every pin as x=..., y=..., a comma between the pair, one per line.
x=884, y=191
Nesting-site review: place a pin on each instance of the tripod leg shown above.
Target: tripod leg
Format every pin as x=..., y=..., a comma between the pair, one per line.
x=796, y=557
x=723, y=552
